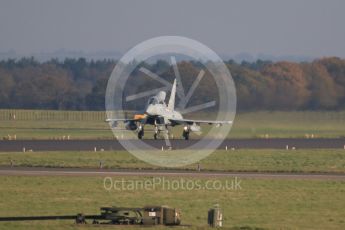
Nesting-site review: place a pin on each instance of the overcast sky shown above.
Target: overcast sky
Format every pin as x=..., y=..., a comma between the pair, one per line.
x=312, y=28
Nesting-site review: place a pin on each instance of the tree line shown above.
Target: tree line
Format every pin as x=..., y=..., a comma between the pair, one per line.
x=79, y=84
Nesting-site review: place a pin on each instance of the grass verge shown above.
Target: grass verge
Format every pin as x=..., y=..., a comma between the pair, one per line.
x=268, y=204
x=265, y=160
x=31, y=124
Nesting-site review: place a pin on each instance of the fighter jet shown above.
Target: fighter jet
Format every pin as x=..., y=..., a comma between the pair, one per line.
x=163, y=116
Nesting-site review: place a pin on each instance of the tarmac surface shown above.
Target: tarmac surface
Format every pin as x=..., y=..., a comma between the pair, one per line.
x=90, y=145
x=37, y=171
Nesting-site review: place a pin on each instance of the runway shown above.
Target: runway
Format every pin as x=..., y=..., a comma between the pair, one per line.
x=33, y=171
x=90, y=145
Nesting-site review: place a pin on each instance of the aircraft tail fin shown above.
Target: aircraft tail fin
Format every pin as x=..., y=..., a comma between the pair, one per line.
x=171, y=104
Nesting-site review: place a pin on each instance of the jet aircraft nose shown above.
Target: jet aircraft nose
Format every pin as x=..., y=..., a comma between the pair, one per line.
x=150, y=110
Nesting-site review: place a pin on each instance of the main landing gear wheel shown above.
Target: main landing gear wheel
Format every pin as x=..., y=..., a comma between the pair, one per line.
x=140, y=132
x=185, y=133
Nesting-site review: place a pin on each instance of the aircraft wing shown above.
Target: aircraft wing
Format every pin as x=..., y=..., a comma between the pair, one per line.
x=191, y=122
x=137, y=117
x=124, y=120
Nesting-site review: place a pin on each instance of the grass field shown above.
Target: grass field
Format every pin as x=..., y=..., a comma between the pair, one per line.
x=260, y=203
x=268, y=204
x=321, y=160
x=31, y=124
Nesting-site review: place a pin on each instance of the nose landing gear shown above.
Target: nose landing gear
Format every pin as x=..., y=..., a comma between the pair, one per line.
x=159, y=129
x=156, y=132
